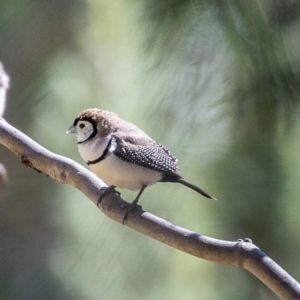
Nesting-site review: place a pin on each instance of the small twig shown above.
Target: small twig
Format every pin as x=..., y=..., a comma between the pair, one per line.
x=241, y=253
x=4, y=85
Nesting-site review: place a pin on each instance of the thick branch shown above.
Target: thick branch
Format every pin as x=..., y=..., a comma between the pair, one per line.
x=242, y=254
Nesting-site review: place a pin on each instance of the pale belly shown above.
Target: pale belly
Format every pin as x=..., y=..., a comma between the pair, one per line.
x=117, y=172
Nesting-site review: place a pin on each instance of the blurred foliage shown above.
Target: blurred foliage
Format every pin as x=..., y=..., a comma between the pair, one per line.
x=217, y=82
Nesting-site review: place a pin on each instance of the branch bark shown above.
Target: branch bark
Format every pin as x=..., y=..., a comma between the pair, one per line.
x=241, y=253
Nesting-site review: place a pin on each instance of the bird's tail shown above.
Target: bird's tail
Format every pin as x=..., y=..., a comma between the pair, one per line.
x=195, y=188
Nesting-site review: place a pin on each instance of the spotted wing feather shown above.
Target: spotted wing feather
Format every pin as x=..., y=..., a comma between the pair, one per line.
x=150, y=155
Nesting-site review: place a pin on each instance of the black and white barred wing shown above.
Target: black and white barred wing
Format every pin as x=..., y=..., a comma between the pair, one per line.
x=150, y=155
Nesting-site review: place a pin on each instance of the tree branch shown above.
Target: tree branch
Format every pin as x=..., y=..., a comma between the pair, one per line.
x=241, y=253
x=4, y=85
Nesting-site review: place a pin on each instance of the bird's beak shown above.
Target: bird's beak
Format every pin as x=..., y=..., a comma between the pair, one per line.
x=72, y=129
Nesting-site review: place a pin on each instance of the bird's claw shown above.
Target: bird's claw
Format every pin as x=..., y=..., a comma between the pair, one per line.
x=129, y=209
x=107, y=190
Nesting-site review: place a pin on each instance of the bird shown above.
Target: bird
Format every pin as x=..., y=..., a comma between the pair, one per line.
x=123, y=155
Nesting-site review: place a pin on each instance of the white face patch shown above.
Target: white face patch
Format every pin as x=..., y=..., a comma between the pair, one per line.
x=84, y=130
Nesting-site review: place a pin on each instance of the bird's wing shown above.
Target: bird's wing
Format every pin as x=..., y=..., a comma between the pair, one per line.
x=146, y=153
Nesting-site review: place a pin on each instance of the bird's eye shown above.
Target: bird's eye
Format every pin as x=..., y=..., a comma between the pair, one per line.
x=81, y=125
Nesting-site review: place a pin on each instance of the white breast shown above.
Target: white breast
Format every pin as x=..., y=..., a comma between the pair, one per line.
x=93, y=149
x=115, y=171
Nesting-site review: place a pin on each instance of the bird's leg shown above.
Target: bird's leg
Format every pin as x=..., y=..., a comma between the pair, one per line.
x=107, y=190
x=133, y=205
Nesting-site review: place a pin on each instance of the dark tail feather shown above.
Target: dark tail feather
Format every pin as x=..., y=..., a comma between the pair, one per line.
x=195, y=188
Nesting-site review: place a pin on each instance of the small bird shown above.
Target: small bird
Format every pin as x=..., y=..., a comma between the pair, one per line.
x=123, y=155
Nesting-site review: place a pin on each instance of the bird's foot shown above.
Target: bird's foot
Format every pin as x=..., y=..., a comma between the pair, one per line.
x=132, y=206
x=107, y=190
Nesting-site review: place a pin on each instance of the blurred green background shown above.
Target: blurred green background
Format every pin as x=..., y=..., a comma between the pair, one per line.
x=216, y=82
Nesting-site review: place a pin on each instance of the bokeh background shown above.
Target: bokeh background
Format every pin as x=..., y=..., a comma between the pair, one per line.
x=217, y=82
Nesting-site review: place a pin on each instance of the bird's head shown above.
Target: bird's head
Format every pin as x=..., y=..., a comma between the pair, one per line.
x=91, y=122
